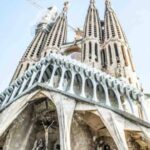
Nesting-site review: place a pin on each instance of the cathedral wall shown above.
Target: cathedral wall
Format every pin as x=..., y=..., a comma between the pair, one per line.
x=121, y=69
x=22, y=67
x=21, y=134
x=81, y=137
x=86, y=136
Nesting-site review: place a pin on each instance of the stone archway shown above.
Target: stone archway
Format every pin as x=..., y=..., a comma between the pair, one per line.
x=88, y=132
x=30, y=124
x=36, y=127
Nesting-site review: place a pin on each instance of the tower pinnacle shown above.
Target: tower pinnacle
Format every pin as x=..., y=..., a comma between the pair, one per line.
x=92, y=1
x=58, y=35
x=66, y=3
x=92, y=37
x=108, y=3
x=49, y=16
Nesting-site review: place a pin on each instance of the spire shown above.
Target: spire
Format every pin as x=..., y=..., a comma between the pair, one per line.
x=113, y=28
x=49, y=16
x=108, y=2
x=117, y=48
x=58, y=34
x=34, y=49
x=33, y=52
x=43, y=27
x=65, y=9
x=92, y=27
x=92, y=1
x=92, y=37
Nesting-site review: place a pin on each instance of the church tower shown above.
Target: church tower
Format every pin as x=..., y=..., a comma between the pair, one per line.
x=92, y=37
x=79, y=95
x=33, y=52
x=58, y=35
x=116, y=53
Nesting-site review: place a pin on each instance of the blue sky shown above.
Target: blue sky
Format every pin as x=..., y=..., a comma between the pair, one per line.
x=19, y=18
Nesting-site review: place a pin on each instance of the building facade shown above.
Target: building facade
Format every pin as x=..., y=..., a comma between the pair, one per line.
x=80, y=95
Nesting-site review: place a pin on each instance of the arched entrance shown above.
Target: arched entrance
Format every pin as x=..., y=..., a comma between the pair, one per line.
x=36, y=127
x=88, y=132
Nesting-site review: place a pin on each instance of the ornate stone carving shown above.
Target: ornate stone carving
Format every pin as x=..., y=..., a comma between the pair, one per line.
x=119, y=71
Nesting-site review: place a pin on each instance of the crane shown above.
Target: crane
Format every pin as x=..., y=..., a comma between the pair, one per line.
x=35, y=4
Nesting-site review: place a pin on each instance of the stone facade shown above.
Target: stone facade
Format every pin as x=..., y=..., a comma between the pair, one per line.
x=83, y=95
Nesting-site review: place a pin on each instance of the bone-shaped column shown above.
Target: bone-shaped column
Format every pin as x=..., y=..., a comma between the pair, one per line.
x=65, y=110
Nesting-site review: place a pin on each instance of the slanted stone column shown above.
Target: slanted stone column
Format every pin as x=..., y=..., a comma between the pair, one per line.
x=142, y=101
x=33, y=78
x=131, y=103
x=83, y=87
x=71, y=91
x=42, y=72
x=65, y=109
x=5, y=100
x=107, y=96
x=95, y=91
x=23, y=85
x=115, y=126
x=14, y=92
x=60, y=87
x=119, y=100
x=52, y=76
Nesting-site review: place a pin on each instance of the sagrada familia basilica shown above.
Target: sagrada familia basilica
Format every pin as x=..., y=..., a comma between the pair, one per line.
x=79, y=95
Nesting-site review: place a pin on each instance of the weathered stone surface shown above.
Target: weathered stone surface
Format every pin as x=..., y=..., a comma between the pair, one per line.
x=81, y=125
